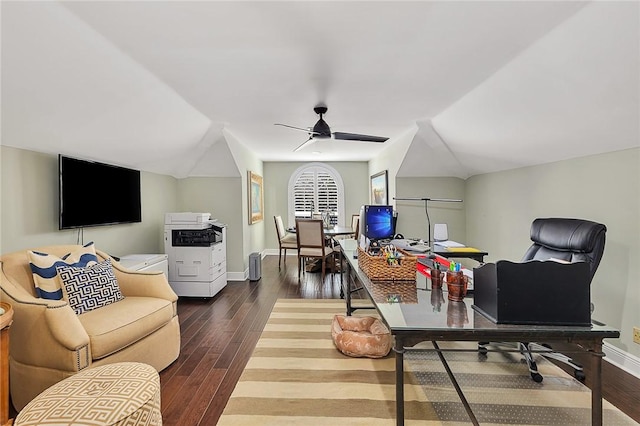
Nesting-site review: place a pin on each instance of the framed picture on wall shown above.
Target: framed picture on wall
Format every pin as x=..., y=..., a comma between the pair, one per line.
x=379, y=191
x=256, y=198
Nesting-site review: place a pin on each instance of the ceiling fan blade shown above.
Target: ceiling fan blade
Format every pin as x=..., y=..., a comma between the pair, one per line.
x=305, y=143
x=307, y=130
x=357, y=137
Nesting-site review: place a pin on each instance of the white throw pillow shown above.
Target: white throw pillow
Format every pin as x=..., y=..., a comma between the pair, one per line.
x=91, y=287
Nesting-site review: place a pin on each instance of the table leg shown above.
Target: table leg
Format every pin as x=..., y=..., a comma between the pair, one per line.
x=596, y=386
x=4, y=376
x=348, y=295
x=399, y=351
x=342, y=274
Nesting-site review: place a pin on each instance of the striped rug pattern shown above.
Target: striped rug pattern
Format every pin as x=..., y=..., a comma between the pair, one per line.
x=296, y=376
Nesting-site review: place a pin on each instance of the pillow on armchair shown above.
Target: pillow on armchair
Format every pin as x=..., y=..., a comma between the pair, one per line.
x=91, y=287
x=45, y=275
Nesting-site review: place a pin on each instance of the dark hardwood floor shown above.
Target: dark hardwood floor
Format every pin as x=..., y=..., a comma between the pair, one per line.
x=219, y=334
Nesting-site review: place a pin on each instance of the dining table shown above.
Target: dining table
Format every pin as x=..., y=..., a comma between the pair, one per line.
x=333, y=231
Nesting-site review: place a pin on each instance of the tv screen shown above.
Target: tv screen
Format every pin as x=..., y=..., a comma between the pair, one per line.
x=378, y=222
x=84, y=200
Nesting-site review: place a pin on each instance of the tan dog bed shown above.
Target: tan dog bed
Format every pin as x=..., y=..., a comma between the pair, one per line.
x=360, y=336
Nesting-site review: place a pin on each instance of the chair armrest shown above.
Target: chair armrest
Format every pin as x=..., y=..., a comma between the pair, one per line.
x=144, y=283
x=45, y=333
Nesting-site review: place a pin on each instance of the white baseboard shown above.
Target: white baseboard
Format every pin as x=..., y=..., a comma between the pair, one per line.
x=274, y=252
x=238, y=276
x=621, y=359
x=243, y=276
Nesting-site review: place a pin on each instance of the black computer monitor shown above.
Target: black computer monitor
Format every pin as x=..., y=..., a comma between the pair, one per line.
x=378, y=222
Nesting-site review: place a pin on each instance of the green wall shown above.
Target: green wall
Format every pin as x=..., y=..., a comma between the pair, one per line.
x=222, y=197
x=496, y=214
x=29, y=208
x=412, y=218
x=604, y=188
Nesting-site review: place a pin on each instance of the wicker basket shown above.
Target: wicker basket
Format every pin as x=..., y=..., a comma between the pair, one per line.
x=377, y=268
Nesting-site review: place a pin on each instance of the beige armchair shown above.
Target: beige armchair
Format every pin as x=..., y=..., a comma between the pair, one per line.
x=49, y=342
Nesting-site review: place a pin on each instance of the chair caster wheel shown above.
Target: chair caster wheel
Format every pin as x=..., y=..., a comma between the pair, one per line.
x=579, y=375
x=537, y=377
x=482, y=351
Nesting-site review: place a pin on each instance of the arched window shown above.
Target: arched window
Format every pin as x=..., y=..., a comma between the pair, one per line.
x=316, y=188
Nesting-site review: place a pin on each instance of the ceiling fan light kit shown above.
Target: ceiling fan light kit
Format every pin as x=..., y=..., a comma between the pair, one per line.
x=321, y=130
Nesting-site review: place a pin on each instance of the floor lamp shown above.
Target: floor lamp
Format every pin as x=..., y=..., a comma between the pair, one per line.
x=426, y=208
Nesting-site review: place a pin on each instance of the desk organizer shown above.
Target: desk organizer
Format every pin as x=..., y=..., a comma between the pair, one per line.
x=533, y=292
x=377, y=268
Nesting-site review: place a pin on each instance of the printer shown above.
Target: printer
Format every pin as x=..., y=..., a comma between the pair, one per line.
x=197, y=254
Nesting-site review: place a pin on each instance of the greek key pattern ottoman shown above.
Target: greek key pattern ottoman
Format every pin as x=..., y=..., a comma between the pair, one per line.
x=122, y=394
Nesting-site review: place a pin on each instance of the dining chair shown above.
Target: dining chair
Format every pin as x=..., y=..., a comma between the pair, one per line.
x=312, y=244
x=355, y=225
x=286, y=240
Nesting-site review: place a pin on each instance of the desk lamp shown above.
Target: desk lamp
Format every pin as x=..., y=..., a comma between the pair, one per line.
x=426, y=209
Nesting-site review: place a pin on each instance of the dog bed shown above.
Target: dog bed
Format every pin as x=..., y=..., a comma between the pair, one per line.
x=361, y=336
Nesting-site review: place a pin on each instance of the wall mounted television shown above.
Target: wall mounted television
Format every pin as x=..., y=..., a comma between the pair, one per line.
x=85, y=200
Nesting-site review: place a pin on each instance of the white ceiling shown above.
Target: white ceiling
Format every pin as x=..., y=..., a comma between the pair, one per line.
x=484, y=86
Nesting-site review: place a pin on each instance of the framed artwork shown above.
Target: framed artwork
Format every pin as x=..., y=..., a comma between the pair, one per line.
x=379, y=185
x=256, y=198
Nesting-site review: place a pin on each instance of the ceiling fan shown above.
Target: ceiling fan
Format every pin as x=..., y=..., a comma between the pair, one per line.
x=321, y=130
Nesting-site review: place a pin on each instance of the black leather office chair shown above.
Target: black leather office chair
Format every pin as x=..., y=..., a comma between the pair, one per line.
x=571, y=240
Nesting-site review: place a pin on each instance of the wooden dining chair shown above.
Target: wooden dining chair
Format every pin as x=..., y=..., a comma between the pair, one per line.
x=311, y=244
x=355, y=225
x=286, y=240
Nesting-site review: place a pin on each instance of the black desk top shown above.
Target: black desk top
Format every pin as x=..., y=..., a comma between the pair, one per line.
x=410, y=310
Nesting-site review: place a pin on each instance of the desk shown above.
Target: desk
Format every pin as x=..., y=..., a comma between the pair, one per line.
x=415, y=322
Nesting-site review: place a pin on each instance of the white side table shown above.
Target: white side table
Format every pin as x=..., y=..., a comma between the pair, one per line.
x=146, y=262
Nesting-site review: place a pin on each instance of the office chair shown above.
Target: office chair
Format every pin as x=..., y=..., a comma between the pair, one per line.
x=570, y=240
x=286, y=240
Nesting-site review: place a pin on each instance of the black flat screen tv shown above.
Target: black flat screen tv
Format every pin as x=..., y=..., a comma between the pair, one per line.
x=94, y=194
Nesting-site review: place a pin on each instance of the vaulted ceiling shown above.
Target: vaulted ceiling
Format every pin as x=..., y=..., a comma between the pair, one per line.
x=479, y=86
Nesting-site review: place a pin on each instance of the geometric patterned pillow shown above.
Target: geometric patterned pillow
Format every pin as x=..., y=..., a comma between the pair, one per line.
x=45, y=275
x=90, y=287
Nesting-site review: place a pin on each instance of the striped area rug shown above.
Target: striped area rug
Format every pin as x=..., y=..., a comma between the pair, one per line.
x=296, y=376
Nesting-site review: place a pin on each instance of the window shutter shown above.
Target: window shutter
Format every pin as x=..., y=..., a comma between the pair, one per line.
x=303, y=194
x=315, y=190
x=327, y=192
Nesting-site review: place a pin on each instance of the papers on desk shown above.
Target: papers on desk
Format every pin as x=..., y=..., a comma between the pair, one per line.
x=448, y=244
x=454, y=247
x=463, y=249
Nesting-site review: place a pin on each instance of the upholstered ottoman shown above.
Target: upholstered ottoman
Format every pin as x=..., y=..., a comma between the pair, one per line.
x=361, y=336
x=125, y=393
